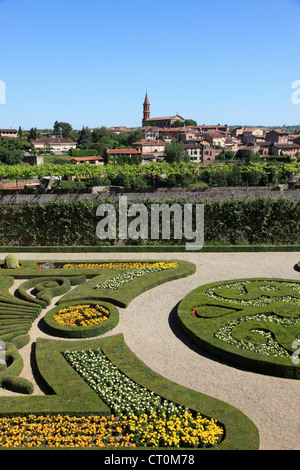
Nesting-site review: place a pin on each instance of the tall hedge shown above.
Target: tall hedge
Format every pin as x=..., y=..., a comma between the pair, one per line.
x=260, y=221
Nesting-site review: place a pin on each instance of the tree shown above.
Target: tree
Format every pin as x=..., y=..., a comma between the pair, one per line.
x=85, y=136
x=11, y=157
x=99, y=133
x=56, y=128
x=33, y=134
x=175, y=152
x=14, y=144
x=185, y=122
x=62, y=128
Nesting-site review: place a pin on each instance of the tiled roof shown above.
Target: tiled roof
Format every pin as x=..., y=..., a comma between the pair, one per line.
x=53, y=140
x=84, y=159
x=149, y=142
x=163, y=118
x=124, y=151
x=288, y=146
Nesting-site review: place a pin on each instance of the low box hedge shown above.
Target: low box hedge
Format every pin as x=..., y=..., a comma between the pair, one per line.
x=69, y=394
x=56, y=329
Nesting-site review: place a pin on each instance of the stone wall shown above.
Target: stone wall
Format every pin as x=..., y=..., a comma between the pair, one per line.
x=163, y=194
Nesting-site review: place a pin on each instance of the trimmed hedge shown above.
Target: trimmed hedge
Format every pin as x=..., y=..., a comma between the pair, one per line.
x=235, y=222
x=44, y=289
x=71, y=395
x=125, y=294
x=17, y=384
x=80, y=331
x=214, y=314
x=85, y=290
x=14, y=362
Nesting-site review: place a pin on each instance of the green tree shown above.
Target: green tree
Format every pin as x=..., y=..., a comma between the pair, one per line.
x=175, y=152
x=99, y=133
x=85, y=136
x=33, y=134
x=56, y=128
x=11, y=157
x=185, y=122
x=62, y=128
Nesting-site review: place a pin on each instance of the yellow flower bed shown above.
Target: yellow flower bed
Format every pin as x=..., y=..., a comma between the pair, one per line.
x=105, y=431
x=81, y=315
x=120, y=265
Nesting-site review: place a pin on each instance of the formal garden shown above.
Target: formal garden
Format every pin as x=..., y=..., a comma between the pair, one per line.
x=251, y=323
x=96, y=393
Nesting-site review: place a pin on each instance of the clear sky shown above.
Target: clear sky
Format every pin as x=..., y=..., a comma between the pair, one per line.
x=90, y=62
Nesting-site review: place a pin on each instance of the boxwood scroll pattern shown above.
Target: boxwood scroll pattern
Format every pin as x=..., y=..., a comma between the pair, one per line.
x=71, y=396
x=252, y=322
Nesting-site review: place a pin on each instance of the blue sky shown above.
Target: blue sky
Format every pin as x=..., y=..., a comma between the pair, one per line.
x=90, y=62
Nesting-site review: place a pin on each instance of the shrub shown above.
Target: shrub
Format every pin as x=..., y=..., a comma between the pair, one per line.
x=17, y=384
x=21, y=341
x=11, y=262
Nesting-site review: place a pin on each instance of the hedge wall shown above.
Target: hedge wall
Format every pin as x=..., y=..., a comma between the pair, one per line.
x=260, y=221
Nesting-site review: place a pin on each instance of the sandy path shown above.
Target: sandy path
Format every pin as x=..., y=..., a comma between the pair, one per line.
x=150, y=331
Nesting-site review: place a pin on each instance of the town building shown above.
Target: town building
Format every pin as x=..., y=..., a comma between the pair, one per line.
x=253, y=135
x=119, y=129
x=150, y=146
x=56, y=144
x=8, y=133
x=201, y=153
x=278, y=136
x=158, y=121
x=113, y=155
x=95, y=160
x=150, y=132
x=293, y=150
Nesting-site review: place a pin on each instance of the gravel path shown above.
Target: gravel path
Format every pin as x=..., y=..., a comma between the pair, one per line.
x=150, y=331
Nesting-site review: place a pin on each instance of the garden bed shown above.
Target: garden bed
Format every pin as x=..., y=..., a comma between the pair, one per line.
x=99, y=383
x=252, y=323
x=74, y=395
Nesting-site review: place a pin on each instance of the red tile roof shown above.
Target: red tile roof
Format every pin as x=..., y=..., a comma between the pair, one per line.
x=123, y=151
x=53, y=140
x=149, y=142
x=84, y=159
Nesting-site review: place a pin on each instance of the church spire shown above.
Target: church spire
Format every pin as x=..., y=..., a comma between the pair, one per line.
x=146, y=108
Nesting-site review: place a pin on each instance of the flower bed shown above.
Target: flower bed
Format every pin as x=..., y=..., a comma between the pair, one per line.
x=109, y=265
x=81, y=319
x=81, y=315
x=250, y=322
x=122, y=279
x=106, y=431
x=152, y=420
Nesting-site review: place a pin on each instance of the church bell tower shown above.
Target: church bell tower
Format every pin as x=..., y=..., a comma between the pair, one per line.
x=146, y=113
